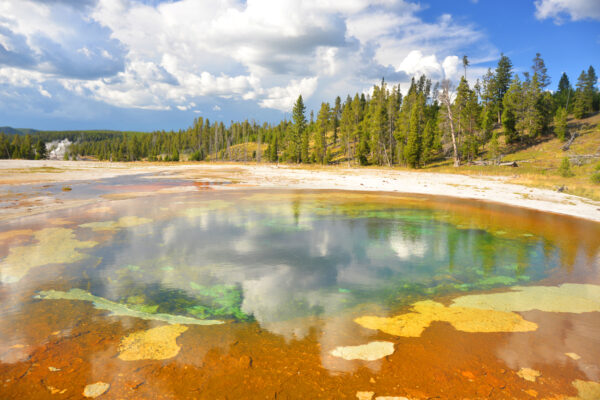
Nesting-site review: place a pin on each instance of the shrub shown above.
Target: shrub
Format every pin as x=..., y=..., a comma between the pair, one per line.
x=560, y=123
x=596, y=175
x=565, y=168
x=195, y=156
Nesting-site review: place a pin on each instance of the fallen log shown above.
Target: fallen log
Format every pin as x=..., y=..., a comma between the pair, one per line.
x=568, y=144
x=481, y=162
x=485, y=163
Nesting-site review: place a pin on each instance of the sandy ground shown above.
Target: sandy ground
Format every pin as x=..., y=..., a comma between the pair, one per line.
x=487, y=188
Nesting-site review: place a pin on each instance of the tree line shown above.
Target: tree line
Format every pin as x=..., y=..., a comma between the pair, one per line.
x=429, y=123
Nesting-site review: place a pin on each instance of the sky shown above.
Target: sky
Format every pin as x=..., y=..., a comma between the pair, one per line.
x=157, y=64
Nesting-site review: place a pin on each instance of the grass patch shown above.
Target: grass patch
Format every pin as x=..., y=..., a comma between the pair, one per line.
x=540, y=163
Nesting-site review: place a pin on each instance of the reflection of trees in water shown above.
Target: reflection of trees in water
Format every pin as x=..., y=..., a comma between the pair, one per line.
x=296, y=204
x=387, y=256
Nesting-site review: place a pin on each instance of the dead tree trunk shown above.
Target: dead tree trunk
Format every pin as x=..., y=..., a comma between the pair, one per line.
x=568, y=144
x=445, y=99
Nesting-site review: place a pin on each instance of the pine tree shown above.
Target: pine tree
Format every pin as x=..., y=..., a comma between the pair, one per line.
x=299, y=128
x=466, y=112
x=412, y=151
x=26, y=148
x=564, y=94
x=494, y=147
x=305, y=146
x=273, y=151
x=346, y=129
x=40, y=150
x=487, y=122
x=539, y=69
x=533, y=111
x=337, y=115
x=501, y=83
x=565, y=168
x=560, y=123
x=581, y=103
x=429, y=141
x=362, y=151
x=320, y=135
x=16, y=147
x=378, y=118
x=591, y=90
x=512, y=120
x=357, y=130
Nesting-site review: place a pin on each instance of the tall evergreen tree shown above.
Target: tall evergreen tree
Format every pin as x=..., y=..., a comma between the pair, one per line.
x=26, y=148
x=592, y=80
x=467, y=113
x=40, y=150
x=539, y=69
x=336, y=116
x=534, y=113
x=299, y=128
x=560, y=123
x=412, y=151
x=346, y=129
x=564, y=94
x=494, y=147
x=320, y=135
x=378, y=124
x=358, y=127
x=512, y=113
x=583, y=102
x=502, y=79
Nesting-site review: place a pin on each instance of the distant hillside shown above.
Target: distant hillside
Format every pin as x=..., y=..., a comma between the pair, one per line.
x=24, y=131
x=18, y=131
x=71, y=135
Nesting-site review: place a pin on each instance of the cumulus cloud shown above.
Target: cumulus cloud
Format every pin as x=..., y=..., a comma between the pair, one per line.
x=282, y=98
x=559, y=10
x=72, y=3
x=417, y=64
x=166, y=55
x=450, y=67
x=57, y=39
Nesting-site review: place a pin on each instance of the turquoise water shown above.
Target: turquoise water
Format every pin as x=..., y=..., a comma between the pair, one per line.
x=274, y=256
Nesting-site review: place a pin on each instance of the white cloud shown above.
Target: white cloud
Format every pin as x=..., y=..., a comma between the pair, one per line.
x=405, y=247
x=44, y=92
x=216, y=108
x=575, y=9
x=283, y=98
x=450, y=66
x=129, y=54
x=371, y=26
x=415, y=46
x=417, y=64
x=85, y=51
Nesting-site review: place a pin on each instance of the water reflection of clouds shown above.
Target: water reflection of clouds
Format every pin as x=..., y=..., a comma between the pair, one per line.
x=406, y=247
x=270, y=297
x=278, y=267
x=288, y=262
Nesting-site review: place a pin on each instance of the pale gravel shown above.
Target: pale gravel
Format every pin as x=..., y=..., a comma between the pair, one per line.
x=487, y=188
